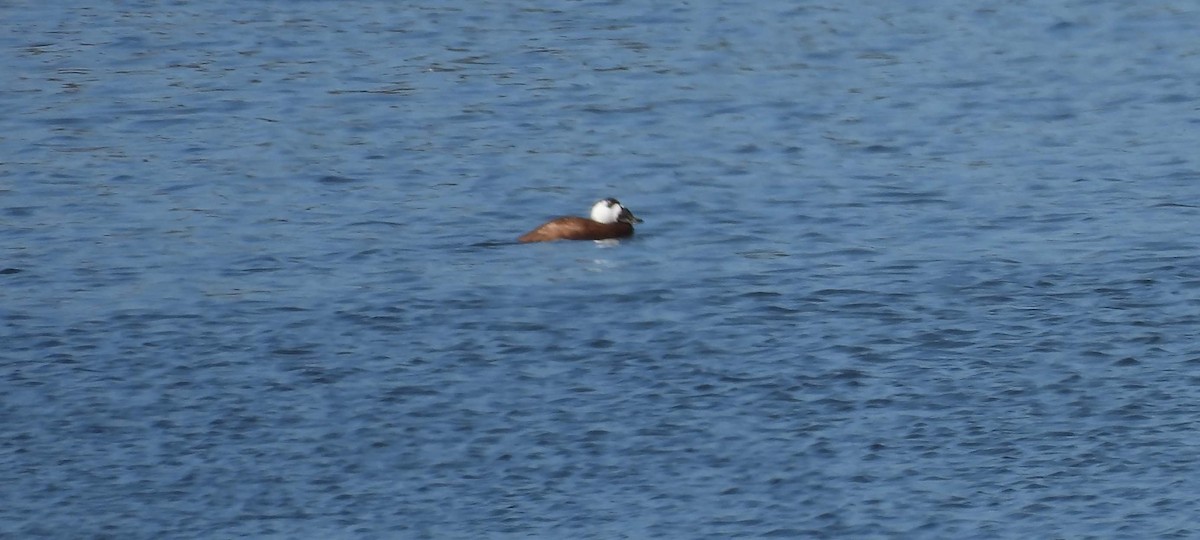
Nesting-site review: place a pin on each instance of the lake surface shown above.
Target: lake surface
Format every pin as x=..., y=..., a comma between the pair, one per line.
x=909, y=270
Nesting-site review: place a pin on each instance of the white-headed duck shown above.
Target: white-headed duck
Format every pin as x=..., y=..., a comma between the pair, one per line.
x=609, y=220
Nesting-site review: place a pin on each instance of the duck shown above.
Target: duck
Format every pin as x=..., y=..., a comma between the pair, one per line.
x=608, y=220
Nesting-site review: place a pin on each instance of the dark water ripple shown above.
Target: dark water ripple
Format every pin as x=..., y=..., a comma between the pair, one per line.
x=907, y=271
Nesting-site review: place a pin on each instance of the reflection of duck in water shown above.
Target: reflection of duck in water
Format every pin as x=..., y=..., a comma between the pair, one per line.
x=609, y=220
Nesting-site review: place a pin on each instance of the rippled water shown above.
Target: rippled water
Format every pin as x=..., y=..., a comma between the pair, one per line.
x=908, y=270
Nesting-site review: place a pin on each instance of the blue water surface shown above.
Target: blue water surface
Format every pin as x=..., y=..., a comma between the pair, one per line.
x=908, y=270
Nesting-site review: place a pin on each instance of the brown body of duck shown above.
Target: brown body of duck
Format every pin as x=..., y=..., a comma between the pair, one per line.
x=608, y=220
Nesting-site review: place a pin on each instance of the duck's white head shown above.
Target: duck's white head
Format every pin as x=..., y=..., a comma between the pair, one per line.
x=611, y=211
